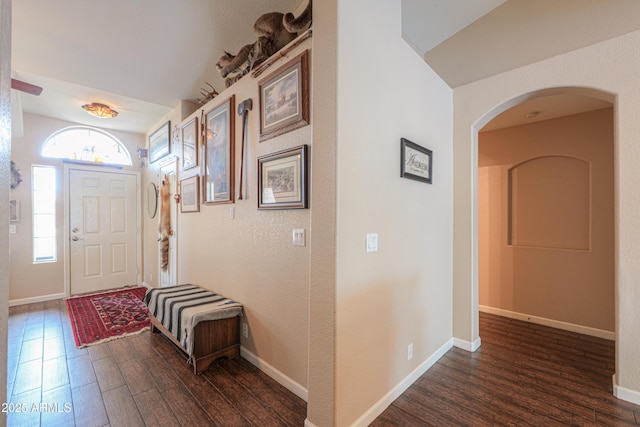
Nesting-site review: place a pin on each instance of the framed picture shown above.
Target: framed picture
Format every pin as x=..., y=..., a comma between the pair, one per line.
x=190, y=144
x=284, y=98
x=159, y=142
x=219, y=153
x=282, y=179
x=14, y=210
x=416, y=162
x=189, y=194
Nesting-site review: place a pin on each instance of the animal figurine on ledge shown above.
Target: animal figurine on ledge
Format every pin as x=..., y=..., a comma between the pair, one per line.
x=207, y=95
x=274, y=30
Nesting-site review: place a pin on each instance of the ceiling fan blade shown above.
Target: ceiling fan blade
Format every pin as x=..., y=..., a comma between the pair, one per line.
x=26, y=87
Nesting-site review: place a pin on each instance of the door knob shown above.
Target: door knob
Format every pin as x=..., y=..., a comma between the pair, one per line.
x=76, y=238
x=75, y=229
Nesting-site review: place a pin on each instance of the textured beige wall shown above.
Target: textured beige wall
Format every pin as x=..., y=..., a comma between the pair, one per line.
x=5, y=151
x=29, y=280
x=250, y=257
x=606, y=70
x=322, y=274
x=569, y=274
x=401, y=294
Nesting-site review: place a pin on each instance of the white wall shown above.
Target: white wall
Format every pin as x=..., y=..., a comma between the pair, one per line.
x=402, y=293
x=610, y=68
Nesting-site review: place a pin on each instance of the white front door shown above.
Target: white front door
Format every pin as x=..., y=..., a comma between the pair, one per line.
x=103, y=231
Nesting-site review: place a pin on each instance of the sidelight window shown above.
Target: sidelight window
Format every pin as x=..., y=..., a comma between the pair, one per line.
x=44, y=213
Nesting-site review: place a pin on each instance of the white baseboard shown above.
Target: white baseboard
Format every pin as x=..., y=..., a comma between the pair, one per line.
x=586, y=330
x=467, y=345
x=308, y=423
x=382, y=404
x=32, y=300
x=274, y=373
x=626, y=394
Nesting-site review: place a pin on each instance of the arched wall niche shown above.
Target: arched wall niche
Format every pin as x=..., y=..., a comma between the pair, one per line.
x=549, y=203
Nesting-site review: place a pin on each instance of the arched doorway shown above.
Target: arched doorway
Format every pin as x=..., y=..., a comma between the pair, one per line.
x=546, y=213
x=602, y=70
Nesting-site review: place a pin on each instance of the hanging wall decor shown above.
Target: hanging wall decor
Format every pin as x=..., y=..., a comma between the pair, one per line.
x=219, y=155
x=16, y=179
x=283, y=179
x=190, y=144
x=416, y=162
x=284, y=98
x=159, y=142
x=189, y=195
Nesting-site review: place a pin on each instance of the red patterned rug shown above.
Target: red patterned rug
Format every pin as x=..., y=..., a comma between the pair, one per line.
x=109, y=315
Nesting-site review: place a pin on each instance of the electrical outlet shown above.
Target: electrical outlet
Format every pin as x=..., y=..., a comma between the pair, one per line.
x=245, y=330
x=410, y=352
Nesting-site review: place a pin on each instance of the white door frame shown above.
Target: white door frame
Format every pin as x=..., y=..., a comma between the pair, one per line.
x=66, y=181
x=174, y=212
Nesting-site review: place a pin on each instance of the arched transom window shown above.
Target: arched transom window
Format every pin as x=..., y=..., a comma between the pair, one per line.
x=86, y=144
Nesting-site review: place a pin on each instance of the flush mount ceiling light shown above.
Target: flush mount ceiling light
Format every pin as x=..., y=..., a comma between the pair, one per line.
x=100, y=110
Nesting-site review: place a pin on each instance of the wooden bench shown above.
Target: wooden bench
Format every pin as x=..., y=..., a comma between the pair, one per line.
x=209, y=339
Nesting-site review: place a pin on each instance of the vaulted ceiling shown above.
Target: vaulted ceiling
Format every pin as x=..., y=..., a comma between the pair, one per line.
x=468, y=40
x=140, y=57
x=143, y=57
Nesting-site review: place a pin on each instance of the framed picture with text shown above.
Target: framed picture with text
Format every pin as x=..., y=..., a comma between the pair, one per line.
x=416, y=162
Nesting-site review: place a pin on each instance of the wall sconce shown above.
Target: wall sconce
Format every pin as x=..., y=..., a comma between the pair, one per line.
x=142, y=155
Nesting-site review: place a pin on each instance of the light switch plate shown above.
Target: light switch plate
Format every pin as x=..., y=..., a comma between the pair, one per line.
x=298, y=237
x=372, y=242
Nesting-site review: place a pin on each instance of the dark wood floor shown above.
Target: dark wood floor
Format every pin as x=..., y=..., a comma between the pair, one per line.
x=134, y=381
x=522, y=375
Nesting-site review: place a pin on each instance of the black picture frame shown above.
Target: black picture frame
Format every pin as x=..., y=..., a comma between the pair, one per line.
x=416, y=162
x=283, y=179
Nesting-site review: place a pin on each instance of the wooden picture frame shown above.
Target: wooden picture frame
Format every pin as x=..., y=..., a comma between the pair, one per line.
x=284, y=98
x=190, y=144
x=283, y=179
x=416, y=162
x=219, y=153
x=160, y=142
x=190, y=194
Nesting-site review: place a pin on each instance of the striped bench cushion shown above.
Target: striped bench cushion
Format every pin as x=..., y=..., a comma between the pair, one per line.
x=180, y=308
